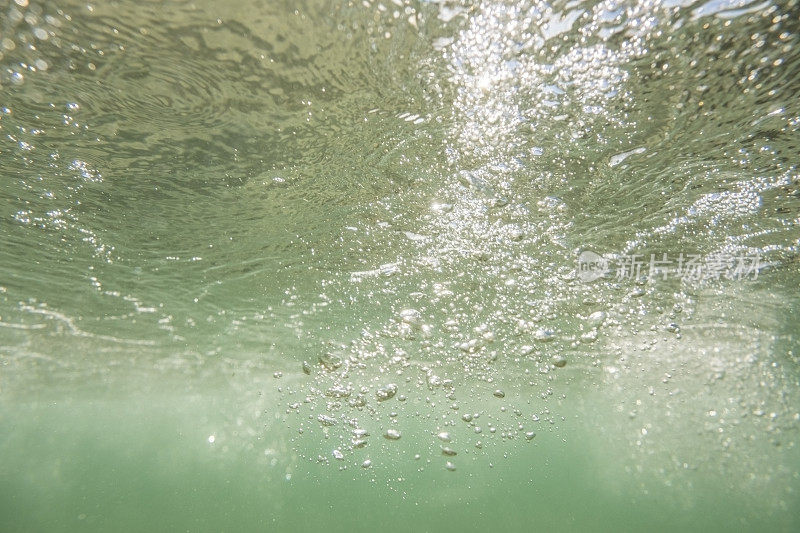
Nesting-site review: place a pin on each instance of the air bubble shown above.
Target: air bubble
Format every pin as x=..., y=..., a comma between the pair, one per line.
x=544, y=335
x=596, y=319
x=386, y=392
x=326, y=420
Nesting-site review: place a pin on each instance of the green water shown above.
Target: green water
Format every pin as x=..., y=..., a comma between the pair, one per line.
x=237, y=236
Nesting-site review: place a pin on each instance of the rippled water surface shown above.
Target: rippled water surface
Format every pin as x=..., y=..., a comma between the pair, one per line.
x=314, y=265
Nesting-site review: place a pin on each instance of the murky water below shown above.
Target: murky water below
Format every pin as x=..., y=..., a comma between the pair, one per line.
x=399, y=266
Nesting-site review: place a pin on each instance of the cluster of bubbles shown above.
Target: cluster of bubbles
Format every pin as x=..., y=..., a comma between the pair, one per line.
x=490, y=323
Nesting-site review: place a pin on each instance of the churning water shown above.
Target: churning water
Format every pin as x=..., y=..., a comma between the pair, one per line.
x=399, y=265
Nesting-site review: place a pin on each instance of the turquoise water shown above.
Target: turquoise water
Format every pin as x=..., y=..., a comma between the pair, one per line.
x=391, y=265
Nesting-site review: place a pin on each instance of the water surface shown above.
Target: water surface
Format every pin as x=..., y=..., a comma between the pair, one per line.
x=246, y=245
